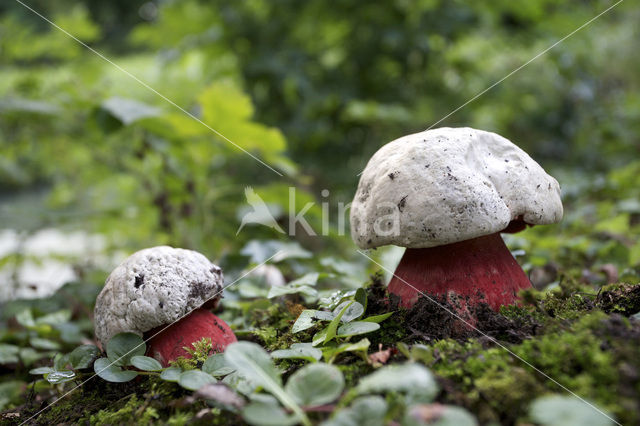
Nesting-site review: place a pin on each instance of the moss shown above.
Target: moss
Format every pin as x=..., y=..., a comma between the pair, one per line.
x=133, y=412
x=593, y=357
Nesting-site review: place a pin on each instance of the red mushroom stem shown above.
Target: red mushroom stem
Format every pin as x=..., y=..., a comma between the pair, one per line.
x=466, y=273
x=170, y=343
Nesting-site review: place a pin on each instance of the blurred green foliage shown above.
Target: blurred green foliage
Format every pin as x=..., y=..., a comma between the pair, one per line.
x=312, y=89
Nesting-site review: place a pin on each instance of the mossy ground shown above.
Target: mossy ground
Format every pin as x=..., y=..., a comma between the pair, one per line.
x=581, y=340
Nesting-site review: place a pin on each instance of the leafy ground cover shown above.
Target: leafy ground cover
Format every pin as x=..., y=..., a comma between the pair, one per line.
x=313, y=89
x=343, y=359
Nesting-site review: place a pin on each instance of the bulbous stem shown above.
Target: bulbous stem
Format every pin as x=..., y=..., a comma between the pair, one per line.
x=466, y=273
x=170, y=343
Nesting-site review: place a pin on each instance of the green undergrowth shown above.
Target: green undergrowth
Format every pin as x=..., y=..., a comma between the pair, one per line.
x=569, y=338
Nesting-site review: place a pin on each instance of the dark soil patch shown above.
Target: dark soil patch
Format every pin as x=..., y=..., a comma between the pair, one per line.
x=435, y=318
x=624, y=299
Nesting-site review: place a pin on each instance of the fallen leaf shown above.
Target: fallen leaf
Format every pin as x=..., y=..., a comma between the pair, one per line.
x=380, y=357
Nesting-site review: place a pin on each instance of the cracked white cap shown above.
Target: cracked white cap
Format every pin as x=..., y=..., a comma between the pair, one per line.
x=154, y=287
x=447, y=185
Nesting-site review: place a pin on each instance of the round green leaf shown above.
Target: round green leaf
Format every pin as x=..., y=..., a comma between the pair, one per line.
x=357, y=327
x=145, y=363
x=41, y=370
x=83, y=356
x=265, y=414
x=559, y=410
x=315, y=384
x=171, y=374
x=195, y=379
x=122, y=347
x=112, y=373
x=413, y=379
x=217, y=366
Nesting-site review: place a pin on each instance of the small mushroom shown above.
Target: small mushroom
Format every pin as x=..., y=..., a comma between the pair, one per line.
x=159, y=287
x=453, y=192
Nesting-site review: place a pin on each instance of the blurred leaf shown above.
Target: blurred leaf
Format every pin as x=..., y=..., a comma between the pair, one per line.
x=559, y=410
x=254, y=363
x=46, y=344
x=438, y=414
x=41, y=370
x=413, y=379
x=171, y=374
x=195, y=379
x=366, y=410
x=260, y=251
x=265, y=414
x=128, y=110
x=217, y=366
x=315, y=384
x=8, y=353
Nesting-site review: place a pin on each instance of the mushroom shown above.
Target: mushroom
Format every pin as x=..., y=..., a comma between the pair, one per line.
x=164, y=291
x=446, y=195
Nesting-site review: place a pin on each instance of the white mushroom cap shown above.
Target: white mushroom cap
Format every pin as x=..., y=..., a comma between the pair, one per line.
x=154, y=287
x=447, y=185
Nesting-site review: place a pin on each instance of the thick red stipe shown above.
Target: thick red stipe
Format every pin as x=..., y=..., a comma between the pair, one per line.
x=466, y=273
x=169, y=344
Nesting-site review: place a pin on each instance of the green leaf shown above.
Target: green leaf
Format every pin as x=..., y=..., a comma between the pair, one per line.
x=83, y=356
x=57, y=377
x=217, y=366
x=55, y=318
x=357, y=327
x=353, y=312
x=265, y=414
x=560, y=410
x=331, y=353
x=306, y=319
x=361, y=298
x=8, y=353
x=315, y=384
x=286, y=289
x=112, y=373
x=298, y=351
x=128, y=111
x=11, y=391
x=333, y=325
x=413, y=379
x=145, y=363
x=438, y=415
x=366, y=410
x=171, y=374
x=319, y=337
x=122, y=347
x=378, y=318
x=41, y=370
x=260, y=251
x=255, y=363
x=44, y=344
x=195, y=379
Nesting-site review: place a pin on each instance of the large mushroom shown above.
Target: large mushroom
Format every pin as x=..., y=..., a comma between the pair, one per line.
x=165, y=291
x=446, y=195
